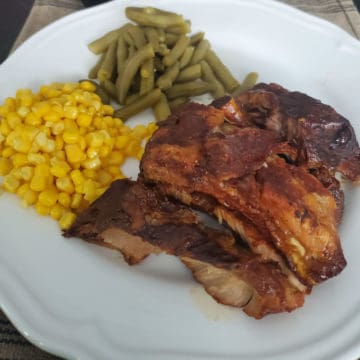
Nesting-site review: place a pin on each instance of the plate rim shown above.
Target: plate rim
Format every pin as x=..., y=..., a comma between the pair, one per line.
x=13, y=310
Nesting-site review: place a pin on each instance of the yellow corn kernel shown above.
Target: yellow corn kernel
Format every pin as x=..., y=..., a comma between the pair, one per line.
x=90, y=173
x=48, y=197
x=104, y=178
x=13, y=120
x=94, y=163
x=77, y=177
x=32, y=119
x=5, y=166
x=30, y=197
x=70, y=124
x=59, y=168
x=71, y=112
x=92, y=152
x=67, y=219
x=43, y=169
x=49, y=146
x=56, y=211
x=59, y=142
x=87, y=86
x=94, y=139
x=10, y=183
x=84, y=120
x=23, y=111
x=151, y=128
x=42, y=209
x=64, y=199
x=115, y=158
x=52, y=116
x=8, y=152
x=71, y=136
x=113, y=132
x=69, y=87
x=76, y=201
x=38, y=183
x=74, y=154
x=104, y=151
x=10, y=103
x=90, y=193
x=57, y=128
x=41, y=138
x=5, y=129
x=132, y=148
x=26, y=172
x=140, y=153
x=41, y=108
x=36, y=159
x=113, y=170
x=60, y=154
x=65, y=184
x=140, y=131
x=22, y=189
x=122, y=141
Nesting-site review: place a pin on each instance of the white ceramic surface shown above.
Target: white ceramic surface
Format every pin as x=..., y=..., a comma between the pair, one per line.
x=83, y=302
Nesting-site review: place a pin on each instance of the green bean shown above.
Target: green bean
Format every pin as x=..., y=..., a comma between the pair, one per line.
x=186, y=56
x=100, y=45
x=171, y=39
x=176, y=51
x=94, y=70
x=99, y=91
x=142, y=103
x=161, y=35
x=147, y=77
x=180, y=29
x=221, y=71
x=132, y=98
x=163, y=49
x=161, y=108
x=147, y=68
x=150, y=16
x=132, y=65
x=122, y=54
x=196, y=38
x=152, y=37
x=192, y=88
x=190, y=73
x=208, y=76
x=166, y=80
x=107, y=67
x=110, y=88
x=177, y=102
x=200, y=52
x=137, y=36
x=249, y=81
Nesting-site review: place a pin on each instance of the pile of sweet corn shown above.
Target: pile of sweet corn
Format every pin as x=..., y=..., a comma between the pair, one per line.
x=61, y=148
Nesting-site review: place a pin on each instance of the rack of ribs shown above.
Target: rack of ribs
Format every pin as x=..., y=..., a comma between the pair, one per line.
x=263, y=164
x=196, y=151
x=137, y=221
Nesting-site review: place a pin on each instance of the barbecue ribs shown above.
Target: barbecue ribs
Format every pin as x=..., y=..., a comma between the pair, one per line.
x=137, y=221
x=322, y=137
x=196, y=151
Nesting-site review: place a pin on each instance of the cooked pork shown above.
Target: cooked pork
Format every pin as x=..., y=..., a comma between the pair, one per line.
x=197, y=152
x=136, y=220
x=322, y=137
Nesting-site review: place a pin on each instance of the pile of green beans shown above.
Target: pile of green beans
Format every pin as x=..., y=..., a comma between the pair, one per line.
x=155, y=63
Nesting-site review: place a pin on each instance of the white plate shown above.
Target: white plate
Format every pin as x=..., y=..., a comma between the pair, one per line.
x=81, y=301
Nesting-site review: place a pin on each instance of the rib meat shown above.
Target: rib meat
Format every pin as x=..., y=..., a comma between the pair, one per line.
x=135, y=219
x=198, y=152
x=322, y=137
